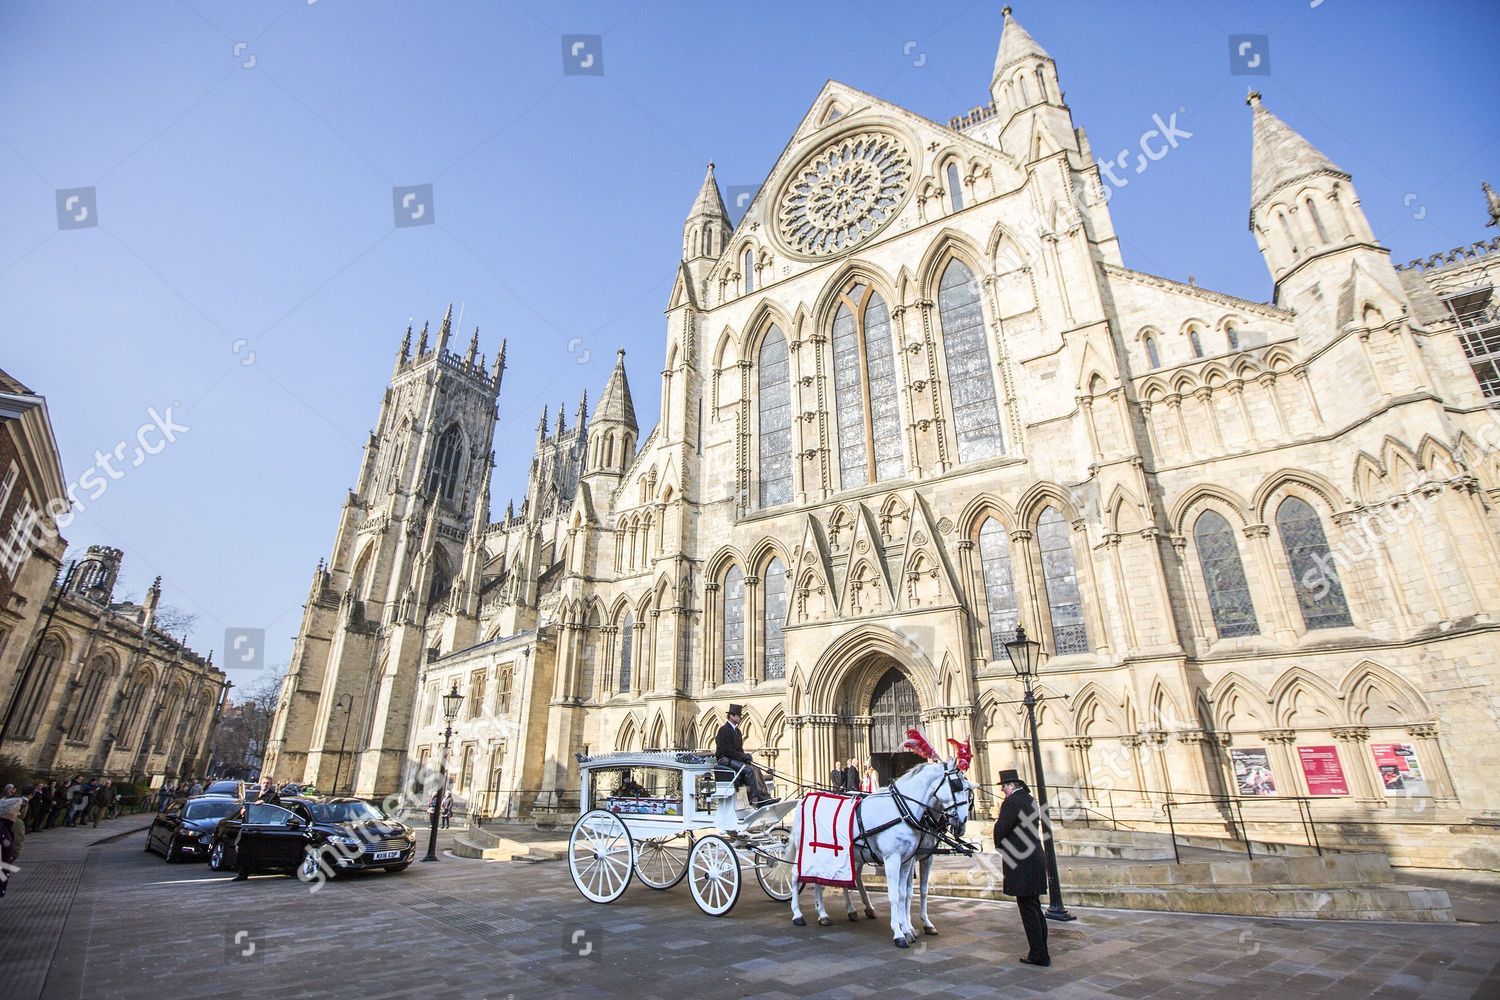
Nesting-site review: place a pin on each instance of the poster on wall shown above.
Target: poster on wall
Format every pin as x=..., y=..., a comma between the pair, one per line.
x=1324, y=773
x=1400, y=771
x=1252, y=771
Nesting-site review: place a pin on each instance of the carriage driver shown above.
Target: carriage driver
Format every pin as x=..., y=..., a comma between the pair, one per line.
x=729, y=746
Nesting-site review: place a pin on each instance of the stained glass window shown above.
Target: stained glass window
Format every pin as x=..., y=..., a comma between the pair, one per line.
x=32, y=704
x=955, y=190
x=775, y=620
x=749, y=270
x=999, y=586
x=734, y=626
x=1233, y=336
x=866, y=390
x=1063, y=597
x=1315, y=578
x=971, y=381
x=1151, y=355
x=627, y=640
x=1197, y=343
x=1224, y=576
x=775, y=467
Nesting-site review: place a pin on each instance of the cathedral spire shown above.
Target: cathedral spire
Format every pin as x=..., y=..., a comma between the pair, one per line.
x=422, y=341
x=583, y=410
x=473, y=354
x=406, y=343
x=615, y=405
x=1016, y=44
x=499, y=371
x=1278, y=155
x=707, y=229
x=541, y=426
x=560, y=423
x=445, y=330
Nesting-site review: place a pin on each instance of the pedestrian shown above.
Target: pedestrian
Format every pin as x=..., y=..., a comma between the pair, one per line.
x=447, y=809
x=852, y=777
x=77, y=798
x=197, y=788
x=38, y=806
x=57, y=795
x=164, y=795
x=12, y=832
x=836, y=776
x=1019, y=842
x=269, y=792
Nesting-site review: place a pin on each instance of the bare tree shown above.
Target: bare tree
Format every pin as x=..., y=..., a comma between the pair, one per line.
x=240, y=743
x=175, y=621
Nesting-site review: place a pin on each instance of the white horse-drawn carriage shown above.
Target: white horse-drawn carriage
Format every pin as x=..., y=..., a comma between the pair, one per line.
x=651, y=813
x=664, y=815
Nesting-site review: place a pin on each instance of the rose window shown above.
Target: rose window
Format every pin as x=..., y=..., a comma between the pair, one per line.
x=844, y=194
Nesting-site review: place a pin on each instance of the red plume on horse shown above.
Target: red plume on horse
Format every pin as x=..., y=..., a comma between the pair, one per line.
x=917, y=743
x=963, y=754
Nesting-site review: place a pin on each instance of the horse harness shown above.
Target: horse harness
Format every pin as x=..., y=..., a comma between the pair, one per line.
x=927, y=820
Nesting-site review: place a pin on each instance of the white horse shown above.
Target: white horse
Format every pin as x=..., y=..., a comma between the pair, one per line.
x=928, y=795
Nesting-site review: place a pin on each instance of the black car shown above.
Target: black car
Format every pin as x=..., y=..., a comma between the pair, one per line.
x=185, y=828
x=233, y=788
x=301, y=835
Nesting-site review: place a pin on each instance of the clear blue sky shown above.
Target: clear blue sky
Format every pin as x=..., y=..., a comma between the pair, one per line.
x=254, y=204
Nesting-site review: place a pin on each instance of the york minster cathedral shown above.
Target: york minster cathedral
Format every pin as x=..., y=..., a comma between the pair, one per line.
x=913, y=401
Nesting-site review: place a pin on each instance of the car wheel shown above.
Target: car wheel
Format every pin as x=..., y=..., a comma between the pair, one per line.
x=148, y=842
x=216, y=858
x=398, y=868
x=173, y=854
x=309, y=869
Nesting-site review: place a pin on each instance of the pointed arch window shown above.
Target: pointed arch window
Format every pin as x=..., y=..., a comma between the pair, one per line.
x=1064, y=600
x=1196, y=340
x=999, y=586
x=1224, y=576
x=1315, y=578
x=1151, y=353
x=971, y=376
x=139, y=688
x=865, y=390
x=1233, y=337
x=442, y=481
x=955, y=188
x=88, y=699
x=627, y=641
x=775, y=468
x=734, y=626
x=749, y=270
x=32, y=704
x=1317, y=219
x=775, y=620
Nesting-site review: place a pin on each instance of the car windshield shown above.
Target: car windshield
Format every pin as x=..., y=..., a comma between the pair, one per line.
x=345, y=812
x=216, y=809
x=227, y=787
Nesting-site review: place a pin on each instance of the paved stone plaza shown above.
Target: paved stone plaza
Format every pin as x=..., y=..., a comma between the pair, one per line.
x=106, y=920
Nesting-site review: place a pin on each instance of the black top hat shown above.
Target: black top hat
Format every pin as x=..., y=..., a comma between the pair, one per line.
x=736, y=709
x=1010, y=777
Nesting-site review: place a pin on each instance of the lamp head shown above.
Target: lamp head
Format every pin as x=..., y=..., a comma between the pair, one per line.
x=1023, y=654
x=452, y=702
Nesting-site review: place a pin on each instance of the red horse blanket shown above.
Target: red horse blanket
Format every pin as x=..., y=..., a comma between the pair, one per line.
x=825, y=848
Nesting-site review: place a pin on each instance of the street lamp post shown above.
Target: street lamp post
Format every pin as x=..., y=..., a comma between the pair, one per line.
x=338, y=766
x=1023, y=659
x=452, y=701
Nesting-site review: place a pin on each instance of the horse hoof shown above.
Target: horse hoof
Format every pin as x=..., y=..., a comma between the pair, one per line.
x=824, y=921
x=870, y=912
x=930, y=930
x=900, y=942
x=911, y=938
x=853, y=917
x=799, y=921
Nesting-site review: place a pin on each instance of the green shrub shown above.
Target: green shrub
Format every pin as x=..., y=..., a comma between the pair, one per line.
x=13, y=772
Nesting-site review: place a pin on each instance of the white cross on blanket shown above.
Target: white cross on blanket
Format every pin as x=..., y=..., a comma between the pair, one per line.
x=825, y=849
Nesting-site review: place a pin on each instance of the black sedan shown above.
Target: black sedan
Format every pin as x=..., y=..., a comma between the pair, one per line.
x=184, y=829
x=305, y=835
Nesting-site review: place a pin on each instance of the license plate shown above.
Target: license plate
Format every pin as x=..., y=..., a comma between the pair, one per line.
x=386, y=855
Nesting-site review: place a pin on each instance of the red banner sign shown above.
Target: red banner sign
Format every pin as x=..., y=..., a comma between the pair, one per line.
x=1324, y=773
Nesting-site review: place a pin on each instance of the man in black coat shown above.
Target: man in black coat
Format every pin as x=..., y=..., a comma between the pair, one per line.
x=729, y=747
x=1018, y=839
x=852, y=777
x=836, y=776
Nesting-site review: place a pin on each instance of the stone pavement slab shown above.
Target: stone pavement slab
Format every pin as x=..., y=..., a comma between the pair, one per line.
x=137, y=927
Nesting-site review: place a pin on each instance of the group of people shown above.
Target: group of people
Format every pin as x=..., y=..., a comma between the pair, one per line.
x=853, y=777
x=74, y=802
x=185, y=788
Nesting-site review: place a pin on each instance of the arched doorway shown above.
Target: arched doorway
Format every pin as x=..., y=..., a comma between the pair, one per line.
x=894, y=709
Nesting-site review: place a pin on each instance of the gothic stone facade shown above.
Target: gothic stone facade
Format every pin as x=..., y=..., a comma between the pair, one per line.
x=913, y=400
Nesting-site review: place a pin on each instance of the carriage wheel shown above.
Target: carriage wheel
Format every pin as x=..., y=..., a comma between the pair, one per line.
x=774, y=874
x=714, y=876
x=600, y=853
x=660, y=863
